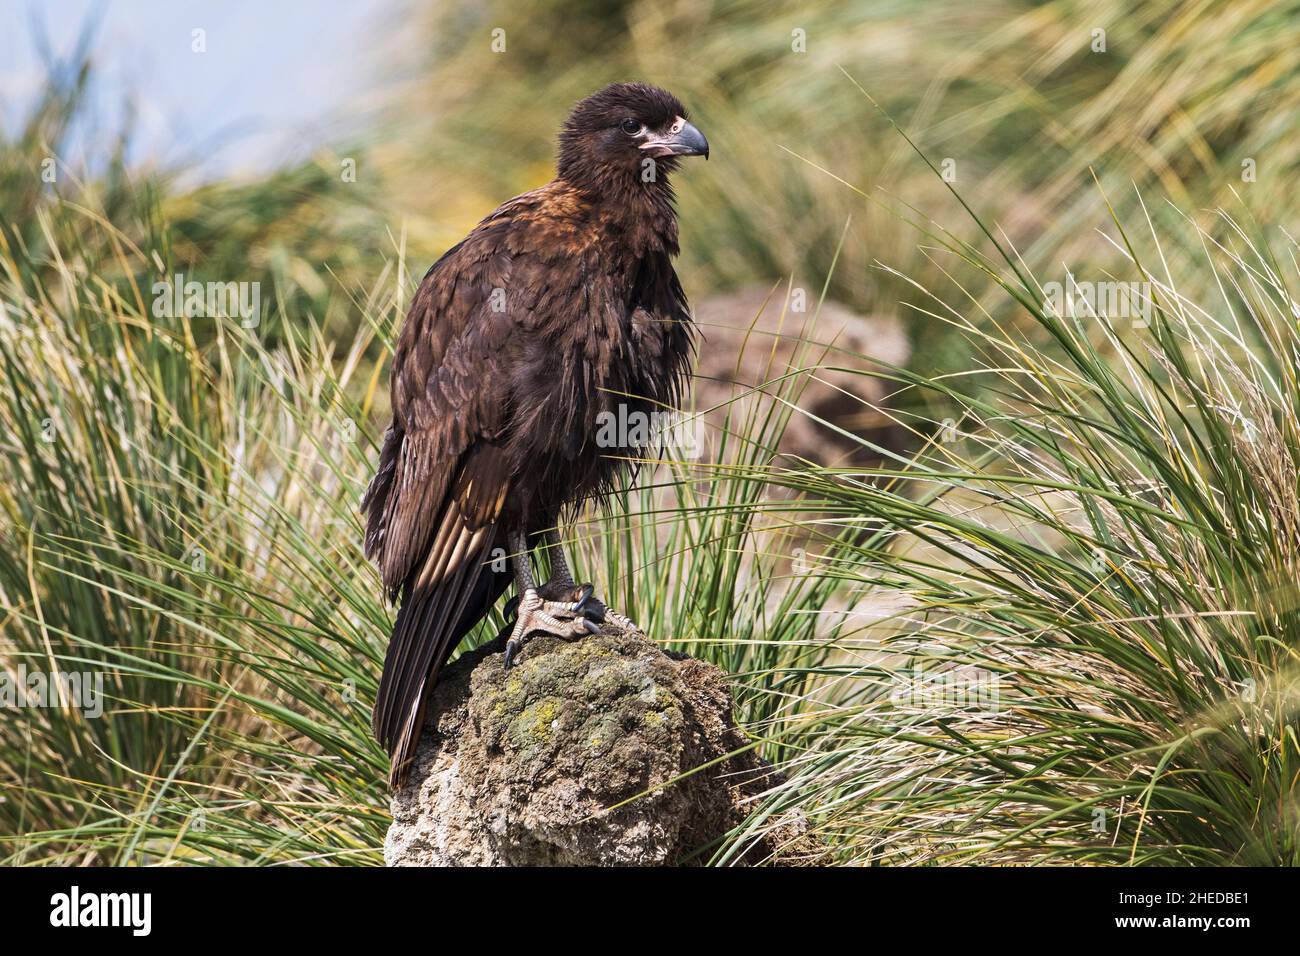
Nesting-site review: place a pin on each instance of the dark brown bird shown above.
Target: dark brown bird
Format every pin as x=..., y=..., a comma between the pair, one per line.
x=559, y=306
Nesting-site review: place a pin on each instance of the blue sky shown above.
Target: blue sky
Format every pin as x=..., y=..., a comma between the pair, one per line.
x=278, y=78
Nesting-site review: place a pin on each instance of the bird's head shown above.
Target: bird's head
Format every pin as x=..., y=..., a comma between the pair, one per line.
x=627, y=130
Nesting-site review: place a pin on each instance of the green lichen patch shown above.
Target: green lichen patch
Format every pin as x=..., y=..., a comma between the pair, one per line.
x=536, y=724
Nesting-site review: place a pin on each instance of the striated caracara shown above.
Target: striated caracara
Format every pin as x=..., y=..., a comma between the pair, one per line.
x=559, y=306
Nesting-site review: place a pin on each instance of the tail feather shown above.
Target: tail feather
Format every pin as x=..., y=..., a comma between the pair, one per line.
x=474, y=604
x=455, y=589
x=424, y=615
x=437, y=624
x=446, y=591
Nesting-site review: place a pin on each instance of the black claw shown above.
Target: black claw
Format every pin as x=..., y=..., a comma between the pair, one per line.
x=590, y=625
x=512, y=648
x=512, y=606
x=586, y=591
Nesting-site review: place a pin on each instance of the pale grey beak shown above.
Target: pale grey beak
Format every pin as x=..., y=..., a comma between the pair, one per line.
x=684, y=141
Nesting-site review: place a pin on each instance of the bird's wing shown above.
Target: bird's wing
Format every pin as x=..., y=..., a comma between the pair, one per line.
x=446, y=595
x=446, y=395
x=444, y=472
x=449, y=383
x=432, y=506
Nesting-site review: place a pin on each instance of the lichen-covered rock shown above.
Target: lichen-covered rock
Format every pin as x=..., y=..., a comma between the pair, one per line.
x=599, y=751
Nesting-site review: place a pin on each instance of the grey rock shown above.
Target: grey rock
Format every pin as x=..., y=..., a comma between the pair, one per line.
x=752, y=336
x=581, y=754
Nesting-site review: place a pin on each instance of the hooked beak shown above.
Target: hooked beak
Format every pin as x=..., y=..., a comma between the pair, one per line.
x=682, y=139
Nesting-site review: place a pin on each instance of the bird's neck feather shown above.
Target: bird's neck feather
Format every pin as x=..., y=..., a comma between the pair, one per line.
x=639, y=212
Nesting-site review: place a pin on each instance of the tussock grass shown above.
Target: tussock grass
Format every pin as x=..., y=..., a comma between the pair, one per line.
x=180, y=517
x=1107, y=539
x=1010, y=92
x=1103, y=518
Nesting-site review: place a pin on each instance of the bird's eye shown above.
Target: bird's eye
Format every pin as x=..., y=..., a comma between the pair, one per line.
x=630, y=126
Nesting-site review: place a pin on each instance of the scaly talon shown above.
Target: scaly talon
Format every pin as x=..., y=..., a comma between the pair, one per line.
x=622, y=622
x=534, y=614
